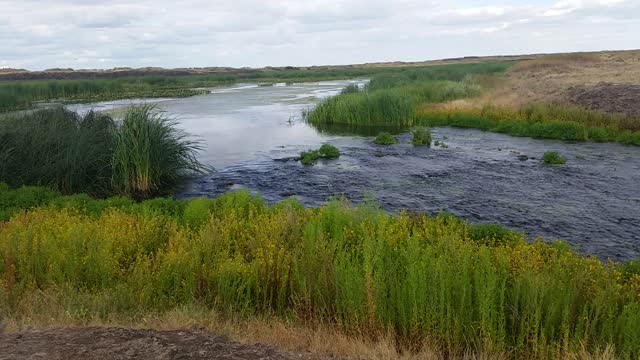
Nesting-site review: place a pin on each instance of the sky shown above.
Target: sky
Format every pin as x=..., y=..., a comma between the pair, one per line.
x=103, y=34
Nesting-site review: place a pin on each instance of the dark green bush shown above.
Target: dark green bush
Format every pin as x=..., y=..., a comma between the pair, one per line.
x=384, y=138
x=553, y=158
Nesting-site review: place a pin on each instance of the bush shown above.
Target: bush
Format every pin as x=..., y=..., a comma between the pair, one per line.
x=309, y=157
x=421, y=136
x=328, y=151
x=384, y=138
x=553, y=158
x=434, y=280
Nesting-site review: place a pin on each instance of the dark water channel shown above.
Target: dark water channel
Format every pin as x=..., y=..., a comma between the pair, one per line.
x=253, y=134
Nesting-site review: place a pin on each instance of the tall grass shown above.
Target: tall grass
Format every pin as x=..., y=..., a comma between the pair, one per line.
x=57, y=148
x=142, y=156
x=376, y=108
x=17, y=95
x=543, y=129
x=390, y=99
x=427, y=280
x=150, y=154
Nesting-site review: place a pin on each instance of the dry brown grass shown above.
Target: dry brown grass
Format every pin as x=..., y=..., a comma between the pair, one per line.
x=46, y=311
x=548, y=78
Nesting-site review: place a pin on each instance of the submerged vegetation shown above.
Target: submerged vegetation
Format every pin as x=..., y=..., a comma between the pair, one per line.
x=553, y=158
x=426, y=280
x=141, y=156
x=384, y=138
x=421, y=136
x=326, y=151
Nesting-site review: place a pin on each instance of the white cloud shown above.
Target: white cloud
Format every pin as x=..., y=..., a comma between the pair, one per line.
x=109, y=33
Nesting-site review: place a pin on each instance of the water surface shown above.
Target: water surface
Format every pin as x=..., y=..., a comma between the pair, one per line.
x=253, y=134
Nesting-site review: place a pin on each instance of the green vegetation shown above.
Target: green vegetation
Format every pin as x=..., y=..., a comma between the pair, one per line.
x=544, y=129
x=553, y=158
x=421, y=136
x=150, y=154
x=434, y=281
x=143, y=156
x=382, y=108
x=384, y=138
x=390, y=99
x=442, y=144
x=350, y=89
x=17, y=95
x=326, y=151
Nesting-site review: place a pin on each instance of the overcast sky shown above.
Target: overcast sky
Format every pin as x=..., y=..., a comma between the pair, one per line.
x=194, y=33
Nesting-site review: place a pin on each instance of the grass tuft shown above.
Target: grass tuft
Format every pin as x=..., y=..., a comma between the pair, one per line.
x=421, y=136
x=384, y=138
x=553, y=158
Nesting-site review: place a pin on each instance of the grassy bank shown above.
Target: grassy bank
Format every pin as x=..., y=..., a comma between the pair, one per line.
x=18, y=95
x=432, y=281
x=391, y=99
x=143, y=155
x=543, y=127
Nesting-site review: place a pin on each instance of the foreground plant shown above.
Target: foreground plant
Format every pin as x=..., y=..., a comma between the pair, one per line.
x=424, y=280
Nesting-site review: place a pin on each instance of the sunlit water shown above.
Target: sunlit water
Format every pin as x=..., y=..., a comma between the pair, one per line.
x=252, y=135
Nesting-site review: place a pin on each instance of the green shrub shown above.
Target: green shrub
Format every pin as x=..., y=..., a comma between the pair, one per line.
x=197, y=211
x=421, y=136
x=434, y=280
x=328, y=151
x=309, y=157
x=553, y=158
x=384, y=138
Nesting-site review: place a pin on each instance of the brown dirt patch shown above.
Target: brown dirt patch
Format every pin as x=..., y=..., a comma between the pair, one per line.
x=122, y=343
x=550, y=78
x=612, y=98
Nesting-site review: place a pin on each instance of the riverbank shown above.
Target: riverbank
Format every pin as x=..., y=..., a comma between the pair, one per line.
x=436, y=282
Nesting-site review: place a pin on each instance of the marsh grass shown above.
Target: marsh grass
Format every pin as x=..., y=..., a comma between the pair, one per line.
x=385, y=138
x=540, y=128
x=433, y=282
x=421, y=136
x=326, y=151
x=57, y=148
x=144, y=155
x=151, y=154
x=390, y=99
x=553, y=158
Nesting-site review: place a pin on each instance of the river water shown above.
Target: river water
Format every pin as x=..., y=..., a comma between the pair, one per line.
x=251, y=136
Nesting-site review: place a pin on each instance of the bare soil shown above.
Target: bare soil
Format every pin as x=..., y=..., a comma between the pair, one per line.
x=612, y=98
x=87, y=343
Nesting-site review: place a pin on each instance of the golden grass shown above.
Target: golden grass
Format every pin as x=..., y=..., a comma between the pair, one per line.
x=291, y=336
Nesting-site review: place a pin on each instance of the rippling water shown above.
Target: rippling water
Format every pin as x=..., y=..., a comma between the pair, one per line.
x=253, y=134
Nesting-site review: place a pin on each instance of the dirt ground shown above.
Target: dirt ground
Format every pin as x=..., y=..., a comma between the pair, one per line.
x=122, y=343
x=606, y=81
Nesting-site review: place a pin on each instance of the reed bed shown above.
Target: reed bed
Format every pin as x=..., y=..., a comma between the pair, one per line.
x=433, y=281
x=390, y=99
x=142, y=156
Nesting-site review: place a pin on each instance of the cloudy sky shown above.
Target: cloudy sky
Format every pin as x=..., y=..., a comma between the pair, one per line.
x=171, y=33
